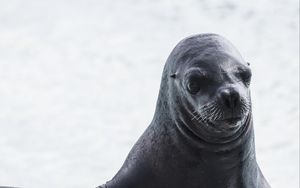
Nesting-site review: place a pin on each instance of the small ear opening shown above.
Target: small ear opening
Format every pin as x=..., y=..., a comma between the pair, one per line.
x=173, y=75
x=248, y=63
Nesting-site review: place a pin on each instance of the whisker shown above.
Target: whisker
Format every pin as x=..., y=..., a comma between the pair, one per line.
x=194, y=116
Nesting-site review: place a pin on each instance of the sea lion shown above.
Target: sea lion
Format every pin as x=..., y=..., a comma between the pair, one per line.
x=201, y=135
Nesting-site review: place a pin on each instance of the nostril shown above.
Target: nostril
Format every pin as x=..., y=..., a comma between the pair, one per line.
x=230, y=97
x=225, y=94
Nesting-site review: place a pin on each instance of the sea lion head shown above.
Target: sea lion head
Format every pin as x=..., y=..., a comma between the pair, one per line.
x=208, y=87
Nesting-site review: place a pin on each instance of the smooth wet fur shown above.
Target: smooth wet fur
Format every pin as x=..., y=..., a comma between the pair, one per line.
x=201, y=135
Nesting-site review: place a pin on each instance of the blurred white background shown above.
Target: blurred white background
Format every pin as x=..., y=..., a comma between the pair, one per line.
x=79, y=81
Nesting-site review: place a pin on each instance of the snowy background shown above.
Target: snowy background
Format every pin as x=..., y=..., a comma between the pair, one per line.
x=79, y=81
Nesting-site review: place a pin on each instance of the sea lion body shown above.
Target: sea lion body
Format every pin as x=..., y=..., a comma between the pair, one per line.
x=202, y=134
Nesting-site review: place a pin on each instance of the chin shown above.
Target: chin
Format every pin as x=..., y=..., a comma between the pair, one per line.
x=228, y=125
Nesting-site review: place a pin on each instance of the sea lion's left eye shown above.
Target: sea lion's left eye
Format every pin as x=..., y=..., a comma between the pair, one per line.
x=245, y=76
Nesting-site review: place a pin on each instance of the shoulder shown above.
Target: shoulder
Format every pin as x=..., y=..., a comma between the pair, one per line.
x=102, y=186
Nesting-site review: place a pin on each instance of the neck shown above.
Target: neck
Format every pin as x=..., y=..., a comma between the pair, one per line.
x=225, y=161
x=172, y=155
x=240, y=148
x=224, y=158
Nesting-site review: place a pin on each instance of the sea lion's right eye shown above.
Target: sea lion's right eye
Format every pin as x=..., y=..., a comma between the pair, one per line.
x=193, y=85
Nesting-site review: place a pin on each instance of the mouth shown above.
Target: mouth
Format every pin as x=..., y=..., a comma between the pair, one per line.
x=229, y=121
x=227, y=124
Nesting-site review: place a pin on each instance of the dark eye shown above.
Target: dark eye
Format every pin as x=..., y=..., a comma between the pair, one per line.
x=193, y=85
x=246, y=76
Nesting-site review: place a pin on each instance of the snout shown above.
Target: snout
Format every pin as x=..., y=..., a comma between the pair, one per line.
x=231, y=104
x=229, y=98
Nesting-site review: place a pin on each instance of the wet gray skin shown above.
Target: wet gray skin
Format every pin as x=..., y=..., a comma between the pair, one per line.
x=201, y=135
